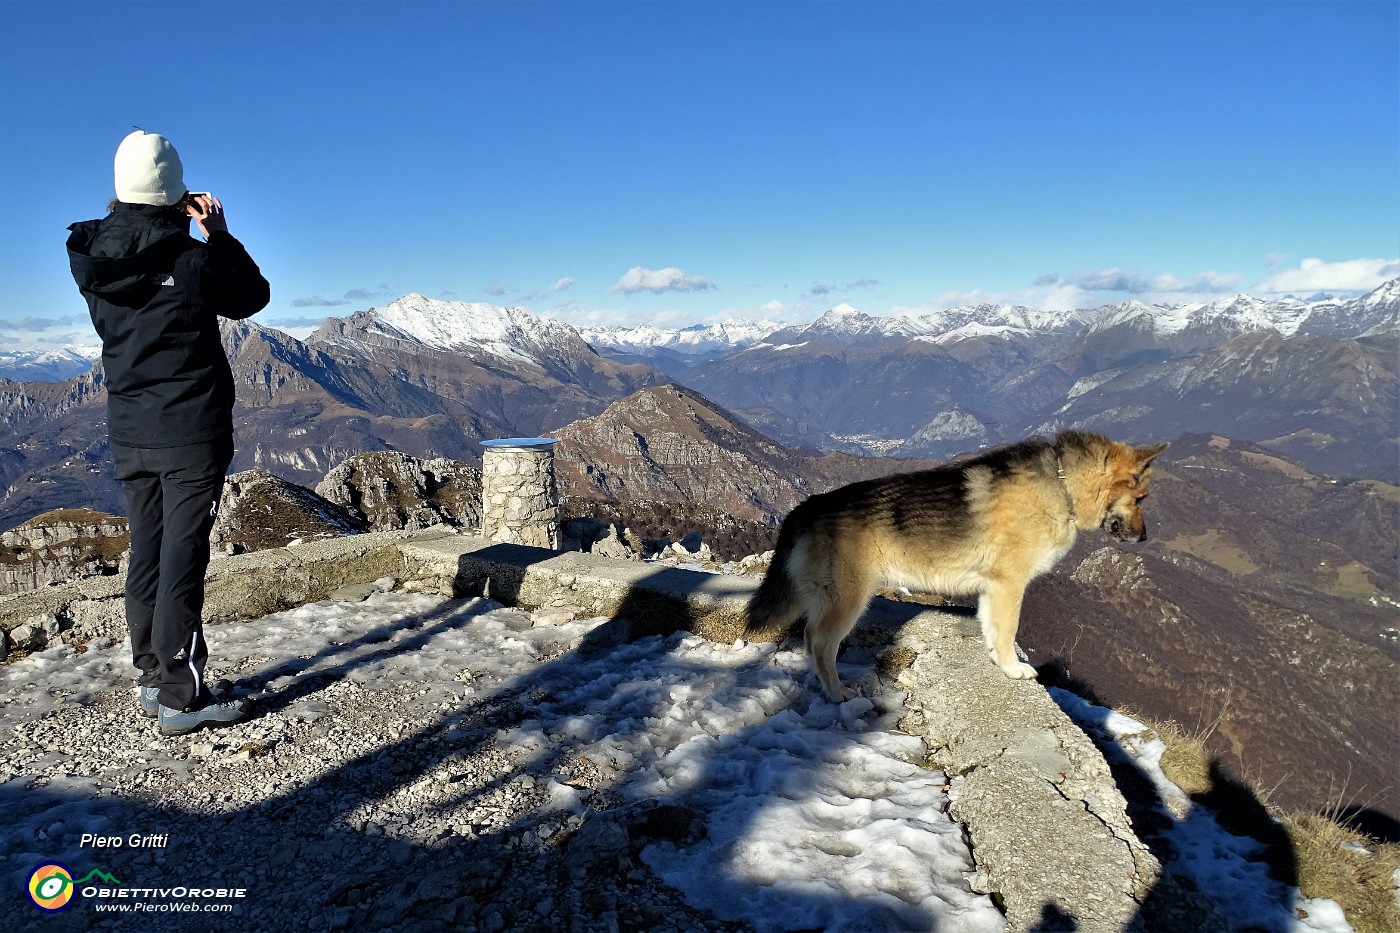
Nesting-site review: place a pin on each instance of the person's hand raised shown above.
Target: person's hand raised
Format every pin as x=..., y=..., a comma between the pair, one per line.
x=208, y=212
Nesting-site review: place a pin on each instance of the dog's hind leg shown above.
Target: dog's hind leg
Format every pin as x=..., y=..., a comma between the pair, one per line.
x=999, y=611
x=825, y=632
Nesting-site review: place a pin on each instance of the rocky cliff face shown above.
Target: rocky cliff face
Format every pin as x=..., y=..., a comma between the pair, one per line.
x=259, y=511
x=60, y=545
x=392, y=490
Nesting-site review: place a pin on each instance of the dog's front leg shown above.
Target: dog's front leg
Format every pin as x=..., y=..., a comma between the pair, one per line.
x=999, y=611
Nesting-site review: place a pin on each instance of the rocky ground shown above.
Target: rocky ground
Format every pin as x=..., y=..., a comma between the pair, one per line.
x=449, y=831
x=396, y=778
x=463, y=845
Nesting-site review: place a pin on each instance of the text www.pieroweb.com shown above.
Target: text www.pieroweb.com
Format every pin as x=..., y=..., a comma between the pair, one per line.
x=175, y=908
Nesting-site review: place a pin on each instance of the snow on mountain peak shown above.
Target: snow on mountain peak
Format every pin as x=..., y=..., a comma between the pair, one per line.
x=517, y=334
x=449, y=324
x=475, y=327
x=695, y=339
x=989, y=319
x=1240, y=313
x=1386, y=293
x=844, y=320
x=56, y=364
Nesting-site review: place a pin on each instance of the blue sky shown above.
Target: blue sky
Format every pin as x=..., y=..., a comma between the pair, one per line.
x=684, y=162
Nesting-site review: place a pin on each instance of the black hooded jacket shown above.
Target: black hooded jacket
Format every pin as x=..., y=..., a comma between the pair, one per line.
x=155, y=294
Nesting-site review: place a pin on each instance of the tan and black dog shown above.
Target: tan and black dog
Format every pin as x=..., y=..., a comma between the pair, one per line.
x=988, y=525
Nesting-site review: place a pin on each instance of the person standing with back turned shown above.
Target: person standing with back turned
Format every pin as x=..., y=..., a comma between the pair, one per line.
x=155, y=294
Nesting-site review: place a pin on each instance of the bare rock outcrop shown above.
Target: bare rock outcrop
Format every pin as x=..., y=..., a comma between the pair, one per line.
x=668, y=443
x=61, y=544
x=259, y=511
x=393, y=491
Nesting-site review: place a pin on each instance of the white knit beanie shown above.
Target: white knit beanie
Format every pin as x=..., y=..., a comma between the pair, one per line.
x=148, y=170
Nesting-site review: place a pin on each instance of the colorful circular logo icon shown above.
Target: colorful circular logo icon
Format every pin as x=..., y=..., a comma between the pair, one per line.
x=51, y=887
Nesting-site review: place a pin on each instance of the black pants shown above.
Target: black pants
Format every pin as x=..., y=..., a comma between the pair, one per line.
x=172, y=494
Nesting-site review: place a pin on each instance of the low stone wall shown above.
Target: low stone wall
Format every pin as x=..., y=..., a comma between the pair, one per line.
x=1047, y=823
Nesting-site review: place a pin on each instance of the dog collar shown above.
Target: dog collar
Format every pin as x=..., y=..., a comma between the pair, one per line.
x=1064, y=484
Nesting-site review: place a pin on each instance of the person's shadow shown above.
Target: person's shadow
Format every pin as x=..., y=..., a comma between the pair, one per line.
x=1258, y=890
x=357, y=863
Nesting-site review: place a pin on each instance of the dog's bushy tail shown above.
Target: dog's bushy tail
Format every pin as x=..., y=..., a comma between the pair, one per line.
x=775, y=606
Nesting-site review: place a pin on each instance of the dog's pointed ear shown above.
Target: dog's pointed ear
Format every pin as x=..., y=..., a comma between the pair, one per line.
x=1145, y=456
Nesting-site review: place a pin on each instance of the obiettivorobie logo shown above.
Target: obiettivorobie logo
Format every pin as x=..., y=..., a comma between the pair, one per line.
x=52, y=888
x=51, y=885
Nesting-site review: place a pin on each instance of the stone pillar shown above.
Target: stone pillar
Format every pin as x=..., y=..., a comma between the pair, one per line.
x=519, y=499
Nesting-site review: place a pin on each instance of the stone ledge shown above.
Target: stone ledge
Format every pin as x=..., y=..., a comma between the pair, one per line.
x=1048, y=824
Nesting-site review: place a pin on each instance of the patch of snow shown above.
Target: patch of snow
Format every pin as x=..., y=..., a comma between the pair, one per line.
x=819, y=815
x=696, y=339
x=1219, y=863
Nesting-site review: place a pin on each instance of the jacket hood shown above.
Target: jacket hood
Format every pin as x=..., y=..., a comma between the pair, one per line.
x=127, y=249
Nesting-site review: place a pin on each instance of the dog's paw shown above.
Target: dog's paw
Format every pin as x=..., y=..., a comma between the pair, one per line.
x=1018, y=670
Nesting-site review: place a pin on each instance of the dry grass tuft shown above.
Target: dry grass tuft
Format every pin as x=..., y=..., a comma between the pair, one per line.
x=1186, y=763
x=1332, y=860
x=1339, y=863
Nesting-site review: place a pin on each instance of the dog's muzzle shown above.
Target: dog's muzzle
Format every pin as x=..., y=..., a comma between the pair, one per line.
x=1119, y=529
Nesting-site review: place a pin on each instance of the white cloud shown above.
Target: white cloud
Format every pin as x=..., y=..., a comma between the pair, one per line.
x=353, y=296
x=1316, y=275
x=40, y=332
x=1111, y=280
x=1204, y=283
x=1139, y=283
x=316, y=301
x=657, y=281
x=822, y=289
x=564, y=283
x=1091, y=289
x=575, y=313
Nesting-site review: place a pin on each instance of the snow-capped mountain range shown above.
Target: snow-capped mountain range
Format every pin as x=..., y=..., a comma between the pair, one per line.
x=695, y=339
x=47, y=365
x=506, y=333
x=521, y=336
x=1233, y=315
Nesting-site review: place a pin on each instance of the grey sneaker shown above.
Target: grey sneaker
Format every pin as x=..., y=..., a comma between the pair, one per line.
x=149, y=696
x=176, y=722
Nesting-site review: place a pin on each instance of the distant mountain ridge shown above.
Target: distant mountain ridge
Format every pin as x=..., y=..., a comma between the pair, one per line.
x=52, y=365
x=695, y=339
x=419, y=376
x=430, y=378
x=1241, y=313
x=1318, y=379
x=514, y=333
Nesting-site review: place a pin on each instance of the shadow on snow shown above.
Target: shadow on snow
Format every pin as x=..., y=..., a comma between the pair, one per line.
x=384, y=880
